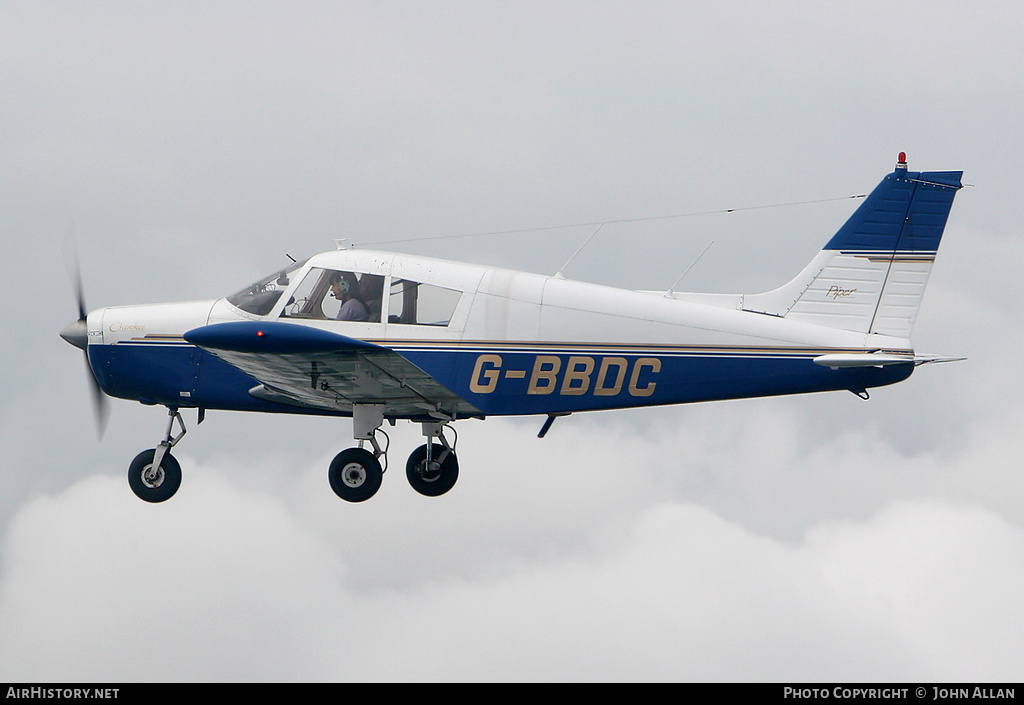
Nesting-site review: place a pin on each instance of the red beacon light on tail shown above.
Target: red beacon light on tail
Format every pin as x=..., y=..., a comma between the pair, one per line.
x=901, y=161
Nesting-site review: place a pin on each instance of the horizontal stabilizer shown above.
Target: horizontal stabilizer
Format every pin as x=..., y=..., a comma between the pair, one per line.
x=877, y=359
x=928, y=359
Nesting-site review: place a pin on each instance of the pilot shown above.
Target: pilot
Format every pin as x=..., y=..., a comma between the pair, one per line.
x=345, y=288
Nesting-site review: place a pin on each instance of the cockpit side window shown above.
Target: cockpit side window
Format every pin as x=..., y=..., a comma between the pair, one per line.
x=259, y=298
x=421, y=304
x=330, y=294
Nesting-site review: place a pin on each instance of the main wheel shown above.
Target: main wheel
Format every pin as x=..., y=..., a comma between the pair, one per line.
x=158, y=486
x=437, y=478
x=355, y=475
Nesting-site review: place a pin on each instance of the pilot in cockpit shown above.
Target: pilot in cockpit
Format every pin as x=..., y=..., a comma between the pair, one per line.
x=345, y=288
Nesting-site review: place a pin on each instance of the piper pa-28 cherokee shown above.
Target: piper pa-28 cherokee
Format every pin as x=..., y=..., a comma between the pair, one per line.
x=381, y=336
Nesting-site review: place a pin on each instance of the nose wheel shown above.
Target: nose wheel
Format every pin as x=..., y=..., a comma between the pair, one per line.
x=154, y=475
x=151, y=482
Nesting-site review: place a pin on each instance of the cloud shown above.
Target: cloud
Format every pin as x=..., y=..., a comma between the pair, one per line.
x=591, y=576
x=115, y=591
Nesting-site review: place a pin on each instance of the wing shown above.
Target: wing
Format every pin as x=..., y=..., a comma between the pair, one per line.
x=304, y=366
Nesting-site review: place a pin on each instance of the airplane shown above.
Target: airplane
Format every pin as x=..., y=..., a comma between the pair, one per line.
x=380, y=336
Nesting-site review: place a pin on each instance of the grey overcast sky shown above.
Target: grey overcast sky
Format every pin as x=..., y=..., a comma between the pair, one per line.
x=189, y=146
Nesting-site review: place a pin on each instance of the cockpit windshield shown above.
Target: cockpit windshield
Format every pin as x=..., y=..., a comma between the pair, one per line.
x=259, y=298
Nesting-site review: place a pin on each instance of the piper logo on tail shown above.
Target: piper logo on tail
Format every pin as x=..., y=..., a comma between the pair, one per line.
x=836, y=292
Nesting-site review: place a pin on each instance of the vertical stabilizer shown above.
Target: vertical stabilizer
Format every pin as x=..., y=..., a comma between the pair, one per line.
x=870, y=277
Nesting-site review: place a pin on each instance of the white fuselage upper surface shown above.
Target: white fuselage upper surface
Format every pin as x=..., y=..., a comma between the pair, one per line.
x=506, y=305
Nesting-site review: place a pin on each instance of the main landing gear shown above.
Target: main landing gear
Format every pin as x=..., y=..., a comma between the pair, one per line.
x=356, y=473
x=432, y=469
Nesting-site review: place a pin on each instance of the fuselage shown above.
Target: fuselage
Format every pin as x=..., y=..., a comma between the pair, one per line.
x=505, y=342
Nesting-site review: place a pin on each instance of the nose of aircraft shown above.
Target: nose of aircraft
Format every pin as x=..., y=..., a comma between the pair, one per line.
x=76, y=333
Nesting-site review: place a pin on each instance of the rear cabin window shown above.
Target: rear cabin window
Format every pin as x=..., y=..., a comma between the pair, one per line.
x=419, y=304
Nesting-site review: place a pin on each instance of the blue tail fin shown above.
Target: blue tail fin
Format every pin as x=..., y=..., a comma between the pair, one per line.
x=870, y=277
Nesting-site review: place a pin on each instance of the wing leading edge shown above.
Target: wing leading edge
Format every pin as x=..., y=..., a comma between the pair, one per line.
x=312, y=368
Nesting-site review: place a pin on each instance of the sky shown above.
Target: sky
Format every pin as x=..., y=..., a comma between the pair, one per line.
x=190, y=147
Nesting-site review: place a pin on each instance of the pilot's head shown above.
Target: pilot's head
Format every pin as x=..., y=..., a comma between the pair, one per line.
x=344, y=284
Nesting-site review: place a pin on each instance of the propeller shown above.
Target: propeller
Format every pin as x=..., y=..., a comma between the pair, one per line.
x=77, y=333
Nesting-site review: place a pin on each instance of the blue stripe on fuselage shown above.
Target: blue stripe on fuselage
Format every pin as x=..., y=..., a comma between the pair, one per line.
x=508, y=379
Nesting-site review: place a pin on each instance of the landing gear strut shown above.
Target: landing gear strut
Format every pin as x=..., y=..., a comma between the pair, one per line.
x=154, y=475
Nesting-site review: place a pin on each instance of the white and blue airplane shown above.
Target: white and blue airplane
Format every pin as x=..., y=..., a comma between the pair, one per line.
x=379, y=336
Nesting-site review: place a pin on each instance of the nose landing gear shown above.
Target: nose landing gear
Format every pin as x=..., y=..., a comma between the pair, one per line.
x=154, y=475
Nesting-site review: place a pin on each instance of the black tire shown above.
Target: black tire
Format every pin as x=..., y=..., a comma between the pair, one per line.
x=355, y=475
x=432, y=482
x=157, y=489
